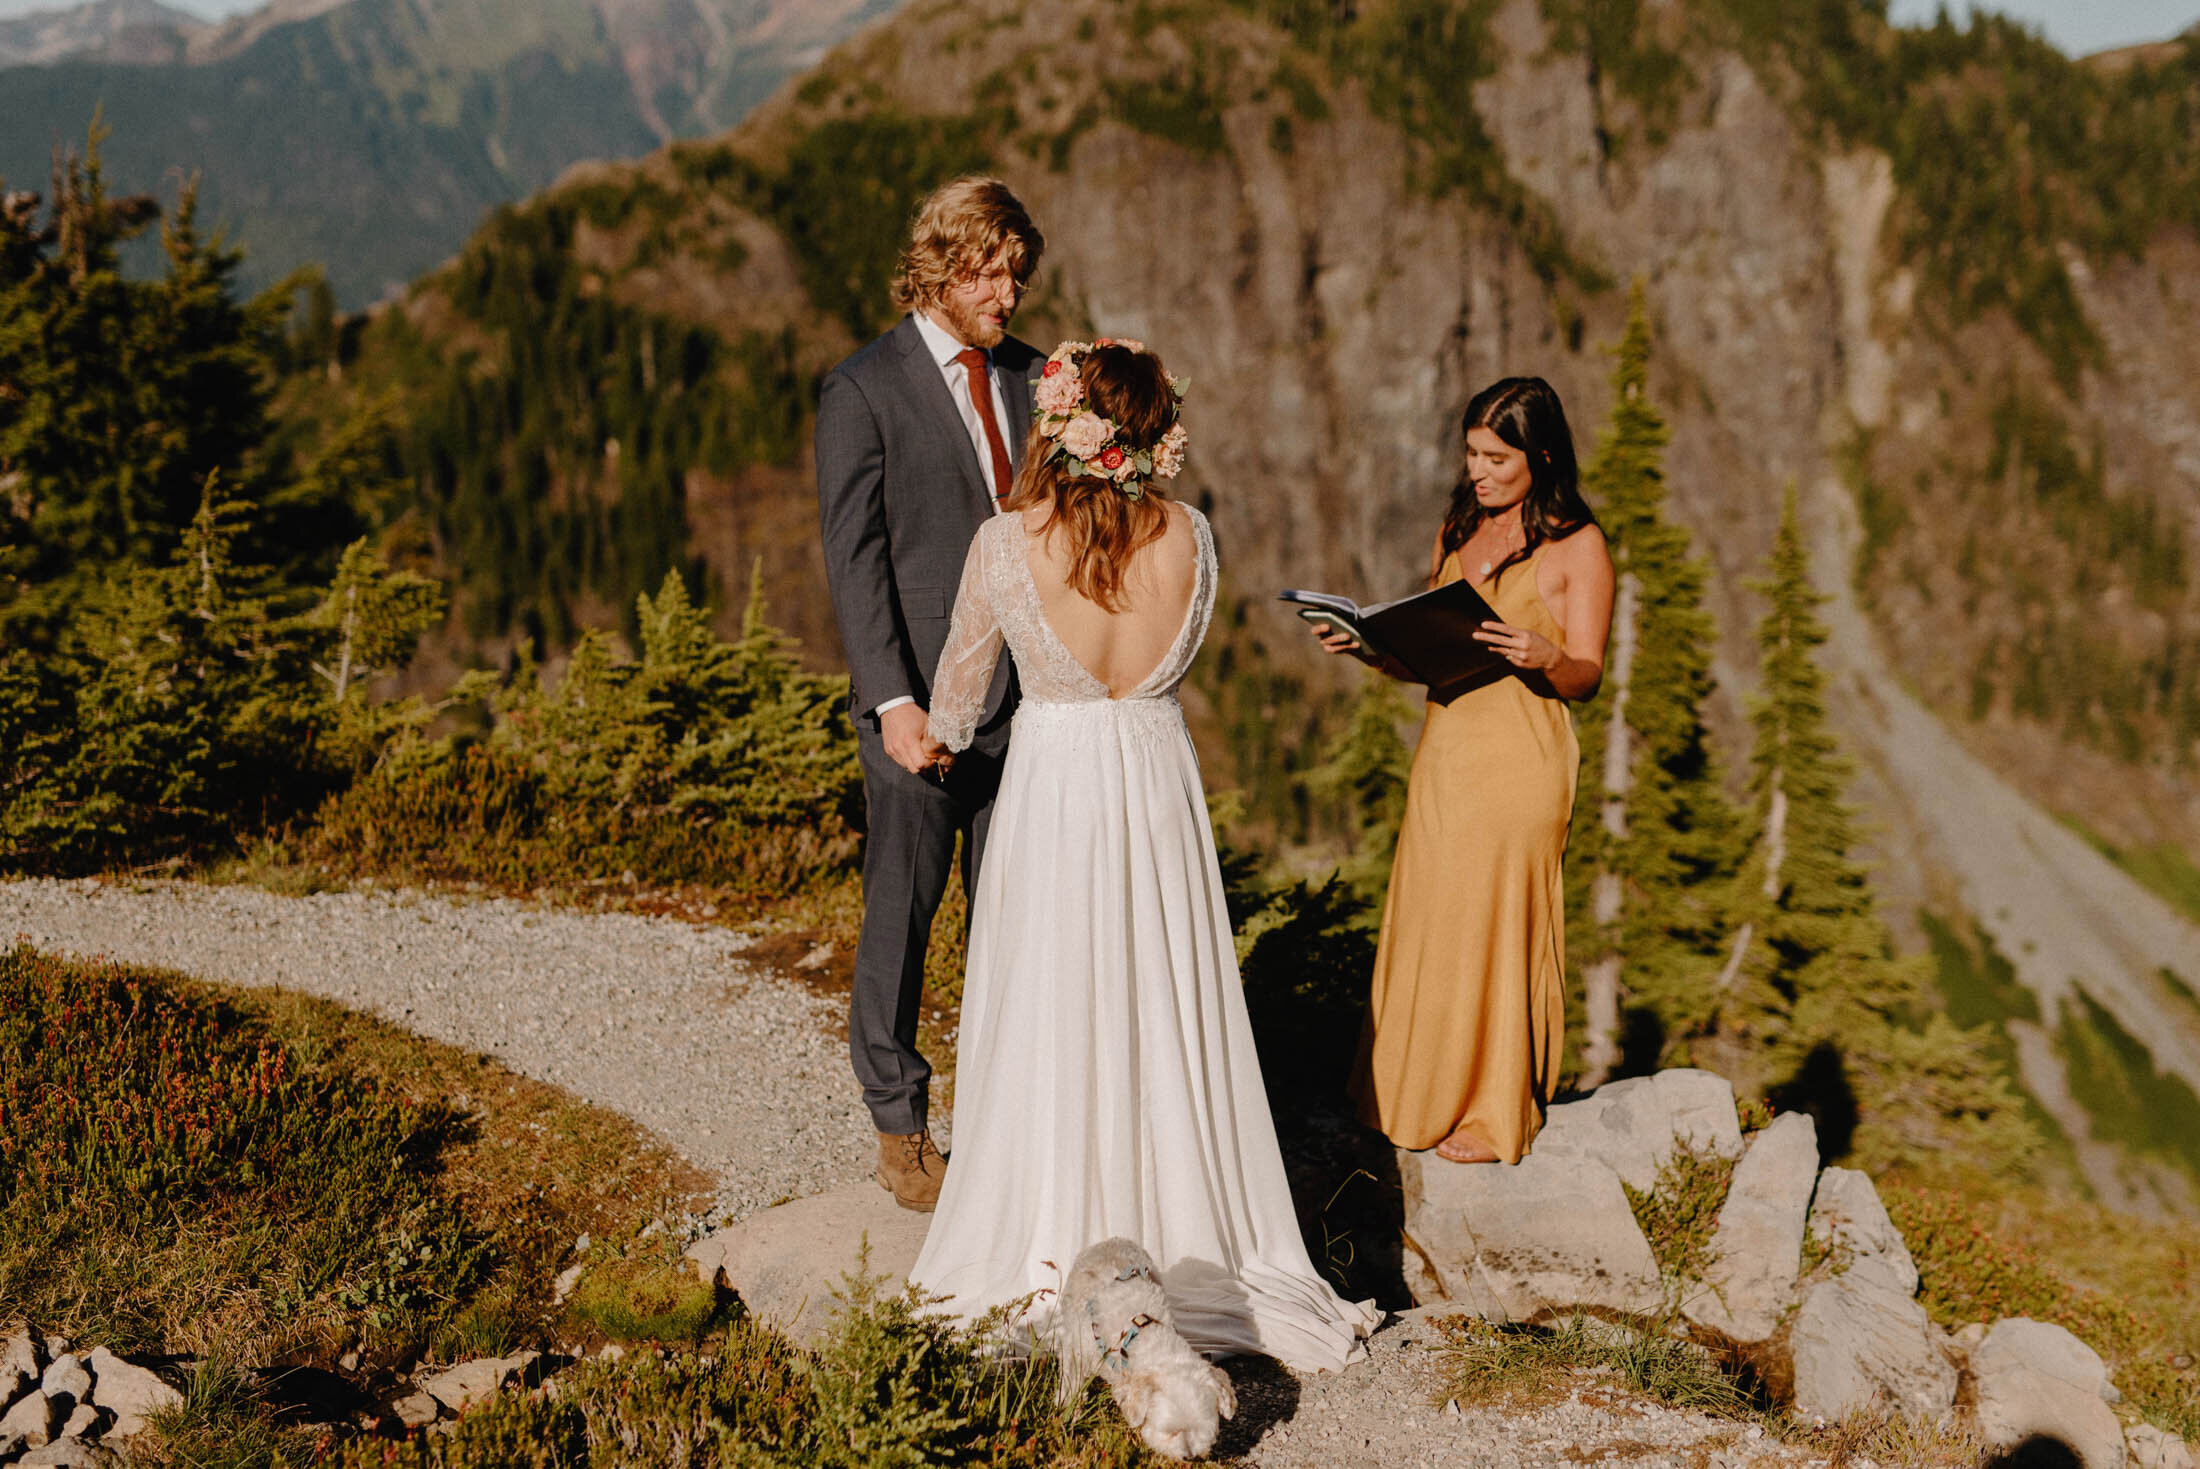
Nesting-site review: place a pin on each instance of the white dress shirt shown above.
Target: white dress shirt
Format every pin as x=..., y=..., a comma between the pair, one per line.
x=941, y=343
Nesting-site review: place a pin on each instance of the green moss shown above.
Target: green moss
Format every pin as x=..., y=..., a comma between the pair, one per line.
x=2164, y=869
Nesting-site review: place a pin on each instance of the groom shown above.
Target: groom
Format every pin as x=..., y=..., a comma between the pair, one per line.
x=918, y=439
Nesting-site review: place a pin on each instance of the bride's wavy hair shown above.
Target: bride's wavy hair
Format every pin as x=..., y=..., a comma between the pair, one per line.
x=1105, y=526
x=1525, y=413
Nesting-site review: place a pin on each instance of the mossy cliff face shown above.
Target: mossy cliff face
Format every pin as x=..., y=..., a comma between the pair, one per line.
x=1338, y=229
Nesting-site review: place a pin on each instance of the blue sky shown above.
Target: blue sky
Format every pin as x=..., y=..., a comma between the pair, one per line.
x=2077, y=26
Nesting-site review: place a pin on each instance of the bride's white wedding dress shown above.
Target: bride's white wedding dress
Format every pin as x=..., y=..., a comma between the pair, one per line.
x=1106, y=1082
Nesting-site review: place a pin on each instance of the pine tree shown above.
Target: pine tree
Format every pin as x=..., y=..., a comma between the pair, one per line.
x=1816, y=1003
x=1654, y=838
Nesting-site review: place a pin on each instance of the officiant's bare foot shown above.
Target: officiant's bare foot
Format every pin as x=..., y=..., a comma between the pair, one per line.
x=911, y=1169
x=1464, y=1147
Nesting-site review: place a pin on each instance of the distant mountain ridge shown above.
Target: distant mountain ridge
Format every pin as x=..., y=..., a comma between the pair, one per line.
x=123, y=29
x=370, y=136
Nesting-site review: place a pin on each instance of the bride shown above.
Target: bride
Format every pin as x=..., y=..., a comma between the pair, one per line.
x=1106, y=1082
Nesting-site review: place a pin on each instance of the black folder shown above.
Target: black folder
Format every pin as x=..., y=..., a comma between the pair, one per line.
x=1431, y=632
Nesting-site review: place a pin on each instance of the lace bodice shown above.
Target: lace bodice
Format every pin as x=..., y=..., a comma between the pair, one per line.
x=998, y=602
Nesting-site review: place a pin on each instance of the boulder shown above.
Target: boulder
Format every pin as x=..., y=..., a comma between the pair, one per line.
x=1847, y=1215
x=2150, y=1448
x=1633, y=1126
x=66, y=1381
x=34, y=1420
x=1757, y=1244
x=468, y=1383
x=1552, y=1235
x=785, y=1262
x=2033, y=1379
x=130, y=1392
x=19, y=1361
x=1860, y=1342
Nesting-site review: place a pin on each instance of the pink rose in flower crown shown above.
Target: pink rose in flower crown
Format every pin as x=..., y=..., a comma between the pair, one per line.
x=1086, y=434
x=1168, y=455
x=1060, y=391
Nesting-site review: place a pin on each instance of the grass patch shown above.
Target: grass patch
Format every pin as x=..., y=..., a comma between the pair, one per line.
x=2114, y=1078
x=889, y=1386
x=1484, y=1361
x=1681, y=1209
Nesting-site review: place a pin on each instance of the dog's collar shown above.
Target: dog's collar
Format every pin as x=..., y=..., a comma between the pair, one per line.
x=1118, y=1356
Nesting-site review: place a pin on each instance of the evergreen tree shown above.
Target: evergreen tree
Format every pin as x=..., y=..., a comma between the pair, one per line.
x=1817, y=1004
x=1364, y=771
x=119, y=397
x=1654, y=840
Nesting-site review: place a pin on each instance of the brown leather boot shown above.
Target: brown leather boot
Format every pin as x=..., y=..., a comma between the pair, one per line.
x=911, y=1169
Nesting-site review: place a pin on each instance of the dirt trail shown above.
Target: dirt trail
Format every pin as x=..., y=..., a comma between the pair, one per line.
x=2063, y=914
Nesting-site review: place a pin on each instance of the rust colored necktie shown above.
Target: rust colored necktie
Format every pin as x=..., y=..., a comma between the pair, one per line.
x=981, y=395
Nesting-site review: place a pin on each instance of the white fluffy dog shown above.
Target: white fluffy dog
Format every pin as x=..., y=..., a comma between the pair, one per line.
x=1115, y=1321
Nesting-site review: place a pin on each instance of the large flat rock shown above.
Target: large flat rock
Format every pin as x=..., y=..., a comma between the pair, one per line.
x=785, y=1262
x=1861, y=1342
x=1634, y=1126
x=1550, y=1235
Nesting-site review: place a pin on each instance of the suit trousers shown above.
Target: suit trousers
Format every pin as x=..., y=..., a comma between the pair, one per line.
x=909, y=846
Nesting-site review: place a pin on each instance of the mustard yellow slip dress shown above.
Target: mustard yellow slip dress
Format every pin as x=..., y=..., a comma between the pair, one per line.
x=1467, y=1020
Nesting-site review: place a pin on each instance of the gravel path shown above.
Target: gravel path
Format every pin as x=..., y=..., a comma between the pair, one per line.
x=740, y=1071
x=1393, y=1412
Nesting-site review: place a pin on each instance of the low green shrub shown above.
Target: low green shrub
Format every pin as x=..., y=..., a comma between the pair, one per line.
x=1680, y=1210
x=703, y=761
x=890, y=1386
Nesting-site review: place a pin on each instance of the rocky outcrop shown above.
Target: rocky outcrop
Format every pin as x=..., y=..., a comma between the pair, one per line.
x=1807, y=1273
x=67, y=1408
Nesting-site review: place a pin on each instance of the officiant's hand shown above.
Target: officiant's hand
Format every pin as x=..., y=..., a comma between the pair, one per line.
x=1336, y=640
x=1522, y=648
x=902, y=729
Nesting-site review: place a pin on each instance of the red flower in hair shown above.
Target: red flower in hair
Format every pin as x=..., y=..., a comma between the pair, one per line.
x=1111, y=458
x=1051, y=369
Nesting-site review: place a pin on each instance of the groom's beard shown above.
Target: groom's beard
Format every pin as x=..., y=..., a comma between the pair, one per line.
x=970, y=327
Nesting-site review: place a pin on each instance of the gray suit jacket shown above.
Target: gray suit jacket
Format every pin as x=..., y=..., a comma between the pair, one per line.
x=899, y=497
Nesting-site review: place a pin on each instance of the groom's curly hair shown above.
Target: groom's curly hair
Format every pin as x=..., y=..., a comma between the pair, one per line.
x=957, y=230
x=1106, y=526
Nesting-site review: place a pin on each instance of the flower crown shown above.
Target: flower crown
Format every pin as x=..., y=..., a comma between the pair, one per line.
x=1086, y=442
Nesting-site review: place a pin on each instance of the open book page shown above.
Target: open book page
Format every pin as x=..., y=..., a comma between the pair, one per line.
x=1431, y=633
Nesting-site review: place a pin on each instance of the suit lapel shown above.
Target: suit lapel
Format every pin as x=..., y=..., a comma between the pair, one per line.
x=938, y=408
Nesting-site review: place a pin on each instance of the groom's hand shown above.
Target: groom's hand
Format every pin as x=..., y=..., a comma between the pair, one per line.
x=902, y=729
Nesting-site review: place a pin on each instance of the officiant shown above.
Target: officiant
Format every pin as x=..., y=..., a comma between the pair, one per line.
x=1466, y=1017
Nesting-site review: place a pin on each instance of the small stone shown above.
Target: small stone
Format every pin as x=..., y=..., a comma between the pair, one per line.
x=83, y=1422
x=19, y=1360
x=562, y=1287
x=67, y=1380
x=130, y=1392
x=417, y=1410
x=349, y=1361
x=580, y=1246
x=34, y=1419
x=610, y=1351
x=2151, y=1448
x=55, y=1346
x=472, y=1382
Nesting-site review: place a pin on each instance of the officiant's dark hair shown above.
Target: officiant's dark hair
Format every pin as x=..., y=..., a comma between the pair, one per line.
x=1130, y=389
x=1525, y=413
